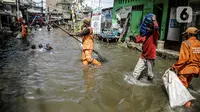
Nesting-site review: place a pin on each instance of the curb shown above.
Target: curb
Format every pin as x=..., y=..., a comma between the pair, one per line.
x=164, y=54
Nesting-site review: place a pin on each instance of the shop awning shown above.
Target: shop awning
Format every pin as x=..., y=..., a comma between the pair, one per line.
x=34, y=11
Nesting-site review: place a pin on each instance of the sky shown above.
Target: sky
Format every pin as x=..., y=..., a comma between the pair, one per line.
x=103, y=3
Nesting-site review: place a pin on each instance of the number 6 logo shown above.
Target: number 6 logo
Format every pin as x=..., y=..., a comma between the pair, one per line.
x=184, y=14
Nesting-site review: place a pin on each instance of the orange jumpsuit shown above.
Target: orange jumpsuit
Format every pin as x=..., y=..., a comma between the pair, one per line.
x=88, y=45
x=189, y=61
x=24, y=31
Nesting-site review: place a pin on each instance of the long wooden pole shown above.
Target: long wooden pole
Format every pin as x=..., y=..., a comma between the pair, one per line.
x=97, y=53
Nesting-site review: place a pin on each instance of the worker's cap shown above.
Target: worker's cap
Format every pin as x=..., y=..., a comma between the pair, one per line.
x=87, y=21
x=191, y=30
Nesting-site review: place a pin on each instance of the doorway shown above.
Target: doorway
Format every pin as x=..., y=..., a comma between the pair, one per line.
x=136, y=18
x=158, y=11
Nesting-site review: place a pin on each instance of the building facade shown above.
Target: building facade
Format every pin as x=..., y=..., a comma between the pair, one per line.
x=136, y=10
x=65, y=5
x=51, y=2
x=106, y=21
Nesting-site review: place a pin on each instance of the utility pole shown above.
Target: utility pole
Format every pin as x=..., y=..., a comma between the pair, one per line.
x=99, y=2
x=91, y=3
x=48, y=14
x=19, y=13
x=16, y=1
x=19, y=4
x=17, y=8
x=42, y=6
x=31, y=3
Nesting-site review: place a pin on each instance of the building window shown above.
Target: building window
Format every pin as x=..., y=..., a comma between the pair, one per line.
x=138, y=7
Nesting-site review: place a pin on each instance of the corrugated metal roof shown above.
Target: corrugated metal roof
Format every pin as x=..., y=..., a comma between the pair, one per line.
x=34, y=11
x=5, y=12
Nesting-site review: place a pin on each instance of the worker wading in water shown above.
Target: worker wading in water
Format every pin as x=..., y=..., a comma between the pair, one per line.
x=24, y=30
x=188, y=64
x=88, y=44
x=148, y=56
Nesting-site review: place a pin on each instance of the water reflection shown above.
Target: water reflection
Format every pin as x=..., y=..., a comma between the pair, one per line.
x=89, y=73
x=14, y=69
x=25, y=42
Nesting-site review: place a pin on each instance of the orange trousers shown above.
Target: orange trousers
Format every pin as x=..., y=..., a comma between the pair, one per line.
x=87, y=58
x=185, y=79
x=24, y=32
x=24, y=35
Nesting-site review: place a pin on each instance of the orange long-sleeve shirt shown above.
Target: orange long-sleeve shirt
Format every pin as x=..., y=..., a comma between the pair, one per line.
x=87, y=38
x=189, y=58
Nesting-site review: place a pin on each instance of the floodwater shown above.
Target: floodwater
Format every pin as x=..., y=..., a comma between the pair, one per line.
x=56, y=81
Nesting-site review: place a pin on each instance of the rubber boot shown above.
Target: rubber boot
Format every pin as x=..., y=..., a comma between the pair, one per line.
x=95, y=62
x=85, y=62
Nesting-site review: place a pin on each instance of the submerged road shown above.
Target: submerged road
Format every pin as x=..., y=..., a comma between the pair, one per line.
x=33, y=81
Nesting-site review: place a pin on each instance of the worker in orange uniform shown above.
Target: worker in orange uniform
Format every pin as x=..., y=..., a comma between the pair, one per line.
x=188, y=64
x=88, y=44
x=24, y=30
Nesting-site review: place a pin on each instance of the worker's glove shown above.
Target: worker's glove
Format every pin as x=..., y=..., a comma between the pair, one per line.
x=172, y=69
x=196, y=75
x=154, y=17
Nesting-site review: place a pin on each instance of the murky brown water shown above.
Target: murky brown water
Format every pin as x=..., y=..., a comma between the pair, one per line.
x=57, y=82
